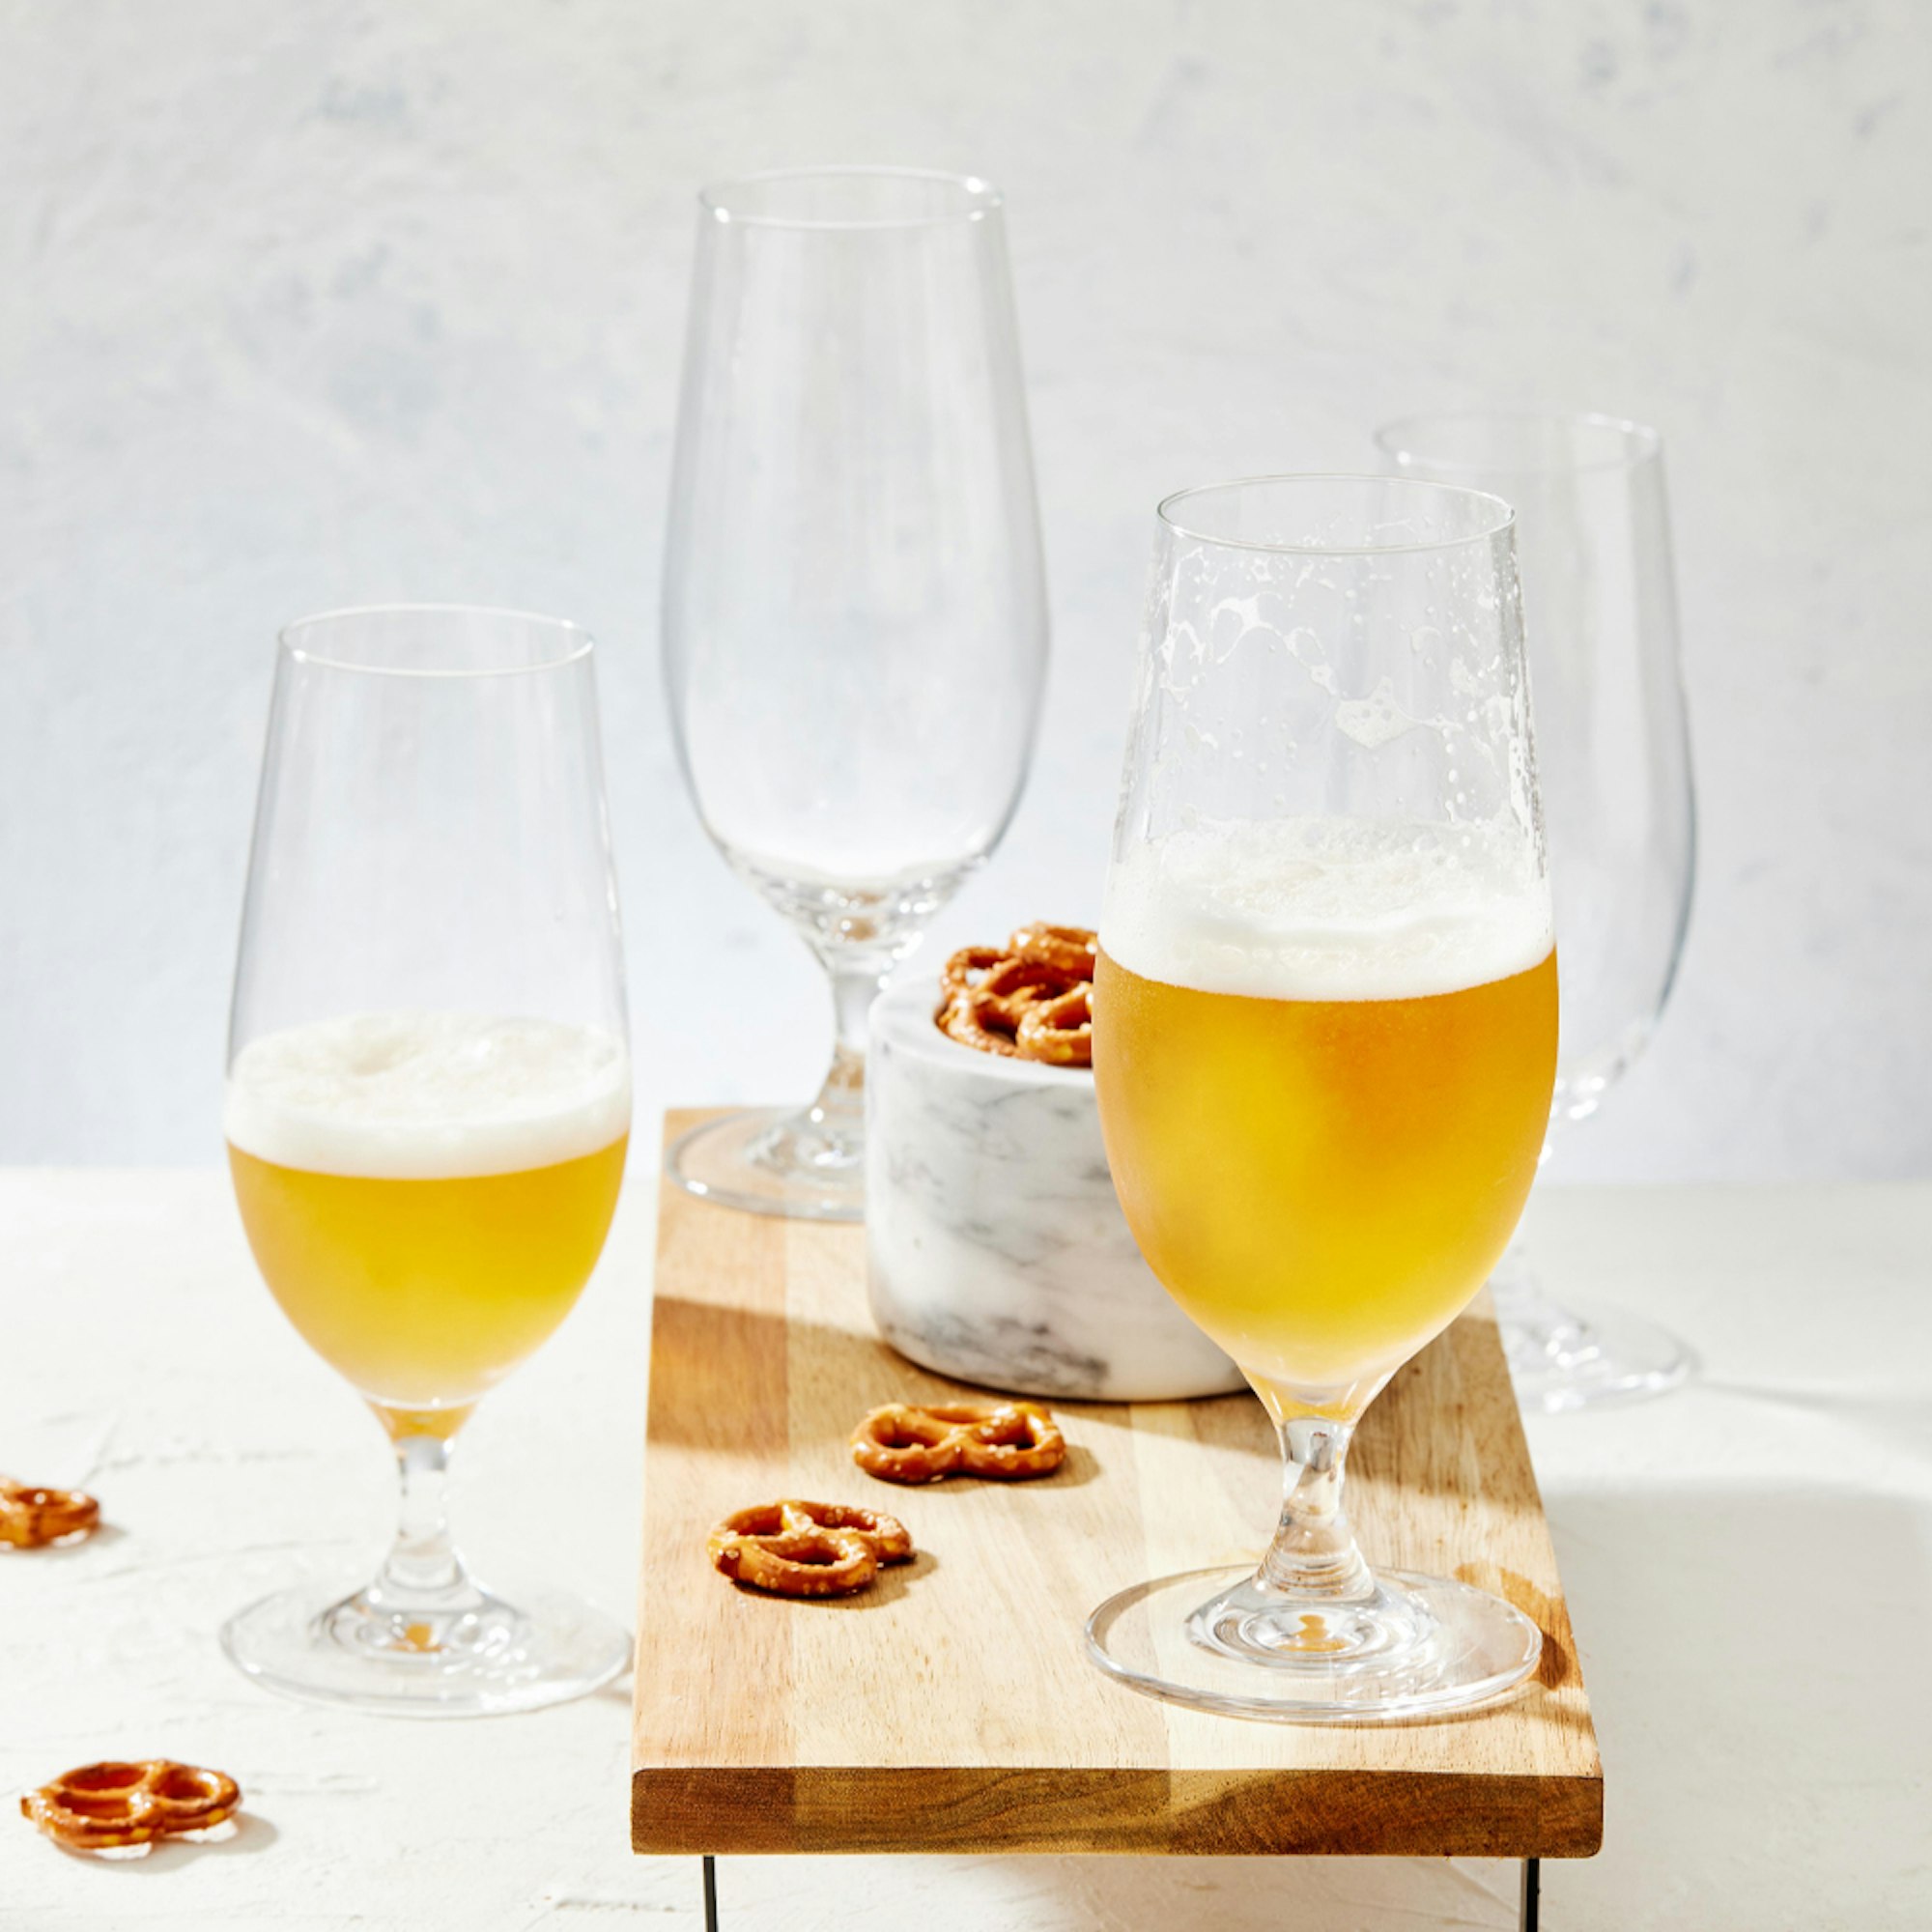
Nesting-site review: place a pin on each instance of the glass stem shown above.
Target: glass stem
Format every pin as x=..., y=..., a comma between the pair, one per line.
x=422, y=1568
x=1535, y=1328
x=841, y=1105
x=1314, y=1553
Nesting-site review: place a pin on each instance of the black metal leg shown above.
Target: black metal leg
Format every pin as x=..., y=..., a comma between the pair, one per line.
x=711, y=1894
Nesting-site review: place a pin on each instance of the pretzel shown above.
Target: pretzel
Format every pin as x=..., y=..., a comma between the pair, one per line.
x=1019, y=1441
x=1059, y=1031
x=1019, y=1001
x=795, y=1548
x=1070, y=949
x=956, y=976
x=901, y=1443
x=977, y=1019
x=1008, y=1442
x=30, y=1519
x=104, y=1807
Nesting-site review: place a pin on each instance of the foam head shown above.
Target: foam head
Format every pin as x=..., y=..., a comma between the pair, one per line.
x=427, y=1097
x=1328, y=908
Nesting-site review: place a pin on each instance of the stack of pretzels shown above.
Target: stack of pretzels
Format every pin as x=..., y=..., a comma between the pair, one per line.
x=1028, y=1000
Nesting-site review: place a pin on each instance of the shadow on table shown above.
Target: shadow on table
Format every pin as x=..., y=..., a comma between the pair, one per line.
x=1900, y=1419
x=1124, y=1895
x=252, y=1834
x=1758, y=1667
x=102, y=1537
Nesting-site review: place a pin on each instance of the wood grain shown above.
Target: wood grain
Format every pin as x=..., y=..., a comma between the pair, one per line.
x=949, y=1708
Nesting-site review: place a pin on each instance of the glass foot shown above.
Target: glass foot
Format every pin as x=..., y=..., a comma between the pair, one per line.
x=1563, y=1357
x=774, y=1160
x=1218, y=1641
x=485, y=1659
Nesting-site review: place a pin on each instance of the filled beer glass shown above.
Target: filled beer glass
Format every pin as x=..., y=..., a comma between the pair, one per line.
x=428, y=1099
x=1325, y=1035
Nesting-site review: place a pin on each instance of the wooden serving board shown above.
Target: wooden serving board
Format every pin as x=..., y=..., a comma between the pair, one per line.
x=950, y=1707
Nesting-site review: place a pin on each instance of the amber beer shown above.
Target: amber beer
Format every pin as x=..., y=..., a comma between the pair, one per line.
x=1323, y=1181
x=427, y=1194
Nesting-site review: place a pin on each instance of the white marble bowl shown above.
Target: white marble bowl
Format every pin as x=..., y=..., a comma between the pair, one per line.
x=995, y=1249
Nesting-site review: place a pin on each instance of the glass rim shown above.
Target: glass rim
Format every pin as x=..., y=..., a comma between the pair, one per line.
x=1642, y=442
x=981, y=198
x=1503, y=520
x=286, y=639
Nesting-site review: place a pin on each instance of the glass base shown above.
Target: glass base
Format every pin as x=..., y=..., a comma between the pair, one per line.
x=315, y=1644
x=1563, y=1357
x=774, y=1160
x=1218, y=1641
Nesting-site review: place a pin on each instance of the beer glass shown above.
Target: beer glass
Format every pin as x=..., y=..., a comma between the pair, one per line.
x=854, y=613
x=428, y=1099
x=1593, y=533
x=1325, y=1035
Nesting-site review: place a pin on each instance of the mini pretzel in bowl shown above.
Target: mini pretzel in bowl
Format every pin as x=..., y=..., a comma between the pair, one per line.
x=1069, y=949
x=1026, y=1002
x=1059, y=1031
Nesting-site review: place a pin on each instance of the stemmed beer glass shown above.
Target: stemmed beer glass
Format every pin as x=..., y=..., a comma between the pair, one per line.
x=854, y=613
x=428, y=1098
x=1325, y=1035
x=1594, y=540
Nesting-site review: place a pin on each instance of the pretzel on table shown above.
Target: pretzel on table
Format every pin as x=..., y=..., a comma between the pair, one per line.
x=108, y=1806
x=33, y=1517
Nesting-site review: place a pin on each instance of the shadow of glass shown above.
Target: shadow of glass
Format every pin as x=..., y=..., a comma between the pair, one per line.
x=103, y=1536
x=1901, y=1418
x=253, y=1832
x=1758, y=1669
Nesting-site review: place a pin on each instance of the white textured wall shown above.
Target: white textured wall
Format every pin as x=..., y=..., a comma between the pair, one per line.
x=330, y=302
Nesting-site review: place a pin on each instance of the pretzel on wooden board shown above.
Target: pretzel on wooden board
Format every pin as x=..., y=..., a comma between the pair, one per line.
x=116, y=1803
x=793, y=1548
x=1008, y=1442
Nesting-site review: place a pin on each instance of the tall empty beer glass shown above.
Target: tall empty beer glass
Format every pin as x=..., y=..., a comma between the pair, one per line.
x=1593, y=537
x=854, y=613
x=428, y=1098
x=1325, y=1035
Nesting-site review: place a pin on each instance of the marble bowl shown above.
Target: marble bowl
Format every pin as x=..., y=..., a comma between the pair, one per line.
x=995, y=1249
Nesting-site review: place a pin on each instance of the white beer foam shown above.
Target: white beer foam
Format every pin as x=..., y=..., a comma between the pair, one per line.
x=1329, y=908
x=427, y=1096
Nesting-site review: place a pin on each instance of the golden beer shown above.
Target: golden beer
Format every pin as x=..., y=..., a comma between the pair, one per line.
x=1322, y=1184
x=427, y=1195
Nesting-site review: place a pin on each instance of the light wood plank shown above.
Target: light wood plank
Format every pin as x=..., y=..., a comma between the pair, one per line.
x=951, y=1708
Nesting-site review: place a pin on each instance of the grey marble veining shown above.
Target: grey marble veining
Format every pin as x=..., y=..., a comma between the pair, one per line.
x=996, y=1250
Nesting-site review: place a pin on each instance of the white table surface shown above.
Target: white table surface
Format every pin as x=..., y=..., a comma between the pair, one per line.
x=1749, y=1564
